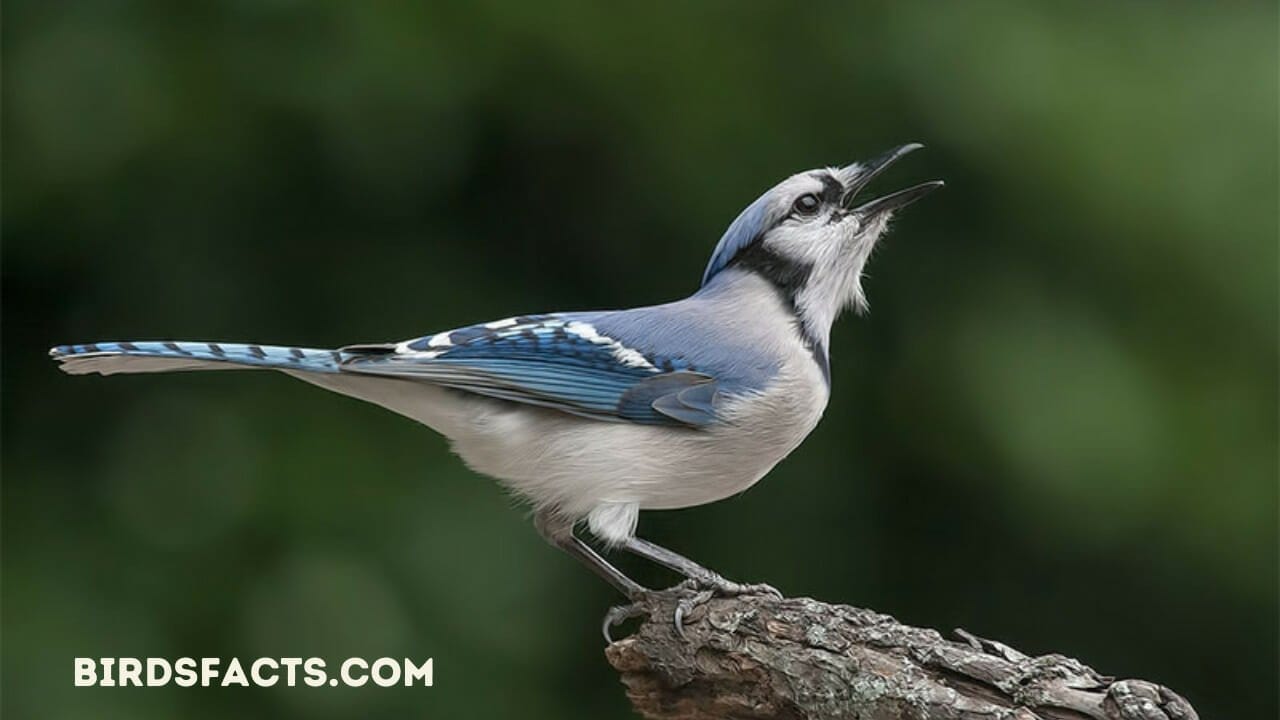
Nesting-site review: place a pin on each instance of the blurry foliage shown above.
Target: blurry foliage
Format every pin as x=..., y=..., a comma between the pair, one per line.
x=1057, y=427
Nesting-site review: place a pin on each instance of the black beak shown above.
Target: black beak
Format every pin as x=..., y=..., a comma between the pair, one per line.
x=867, y=172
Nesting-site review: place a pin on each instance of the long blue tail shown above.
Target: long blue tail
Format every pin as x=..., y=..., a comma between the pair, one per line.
x=108, y=358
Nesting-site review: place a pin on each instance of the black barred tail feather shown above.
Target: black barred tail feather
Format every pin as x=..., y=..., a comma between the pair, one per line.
x=109, y=358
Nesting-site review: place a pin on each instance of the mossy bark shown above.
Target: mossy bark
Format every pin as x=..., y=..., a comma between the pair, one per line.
x=761, y=657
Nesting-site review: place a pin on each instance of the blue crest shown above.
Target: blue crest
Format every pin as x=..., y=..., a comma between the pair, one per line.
x=742, y=231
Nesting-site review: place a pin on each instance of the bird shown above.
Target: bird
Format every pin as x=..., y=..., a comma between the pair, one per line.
x=590, y=417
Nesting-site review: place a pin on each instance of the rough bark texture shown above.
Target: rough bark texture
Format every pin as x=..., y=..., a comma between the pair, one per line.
x=760, y=657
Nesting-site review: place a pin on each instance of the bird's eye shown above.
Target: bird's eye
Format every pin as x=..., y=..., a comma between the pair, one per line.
x=807, y=204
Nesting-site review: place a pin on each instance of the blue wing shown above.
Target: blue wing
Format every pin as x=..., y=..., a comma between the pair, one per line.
x=554, y=361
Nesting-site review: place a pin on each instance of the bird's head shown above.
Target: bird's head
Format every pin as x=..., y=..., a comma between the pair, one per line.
x=811, y=236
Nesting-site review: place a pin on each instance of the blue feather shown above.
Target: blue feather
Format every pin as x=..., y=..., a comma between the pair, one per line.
x=267, y=356
x=556, y=361
x=744, y=230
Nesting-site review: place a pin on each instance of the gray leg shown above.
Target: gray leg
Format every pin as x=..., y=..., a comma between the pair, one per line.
x=560, y=534
x=701, y=576
x=711, y=582
x=674, y=561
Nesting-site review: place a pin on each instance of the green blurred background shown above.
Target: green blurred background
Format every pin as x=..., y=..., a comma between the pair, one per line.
x=1056, y=428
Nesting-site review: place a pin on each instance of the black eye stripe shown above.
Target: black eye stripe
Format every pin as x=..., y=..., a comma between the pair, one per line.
x=831, y=188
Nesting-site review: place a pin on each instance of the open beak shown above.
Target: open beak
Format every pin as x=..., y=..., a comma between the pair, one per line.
x=856, y=177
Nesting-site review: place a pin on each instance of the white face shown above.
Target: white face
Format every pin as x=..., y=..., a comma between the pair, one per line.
x=815, y=230
x=811, y=236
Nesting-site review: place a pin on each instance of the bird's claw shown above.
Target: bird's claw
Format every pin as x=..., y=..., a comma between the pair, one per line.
x=619, y=614
x=687, y=605
x=733, y=589
x=693, y=594
x=710, y=587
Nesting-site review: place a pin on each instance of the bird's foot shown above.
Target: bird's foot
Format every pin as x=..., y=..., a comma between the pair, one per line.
x=711, y=586
x=693, y=593
x=620, y=614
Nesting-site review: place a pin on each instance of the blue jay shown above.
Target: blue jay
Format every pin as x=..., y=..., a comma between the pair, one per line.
x=594, y=416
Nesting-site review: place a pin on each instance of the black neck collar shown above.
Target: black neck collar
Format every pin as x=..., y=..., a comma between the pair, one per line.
x=788, y=277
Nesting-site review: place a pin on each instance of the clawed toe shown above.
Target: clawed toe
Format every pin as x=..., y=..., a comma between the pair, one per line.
x=694, y=592
x=687, y=605
x=709, y=587
x=759, y=589
x=619, y=614
x=729, y=588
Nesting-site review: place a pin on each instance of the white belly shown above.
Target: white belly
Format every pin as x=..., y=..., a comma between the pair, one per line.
x=582, y=467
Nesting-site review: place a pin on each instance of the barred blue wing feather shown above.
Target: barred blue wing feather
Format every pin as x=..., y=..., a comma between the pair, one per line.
x=554, y=361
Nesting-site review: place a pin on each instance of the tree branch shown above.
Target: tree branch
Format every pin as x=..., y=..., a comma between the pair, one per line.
x=760, y=657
